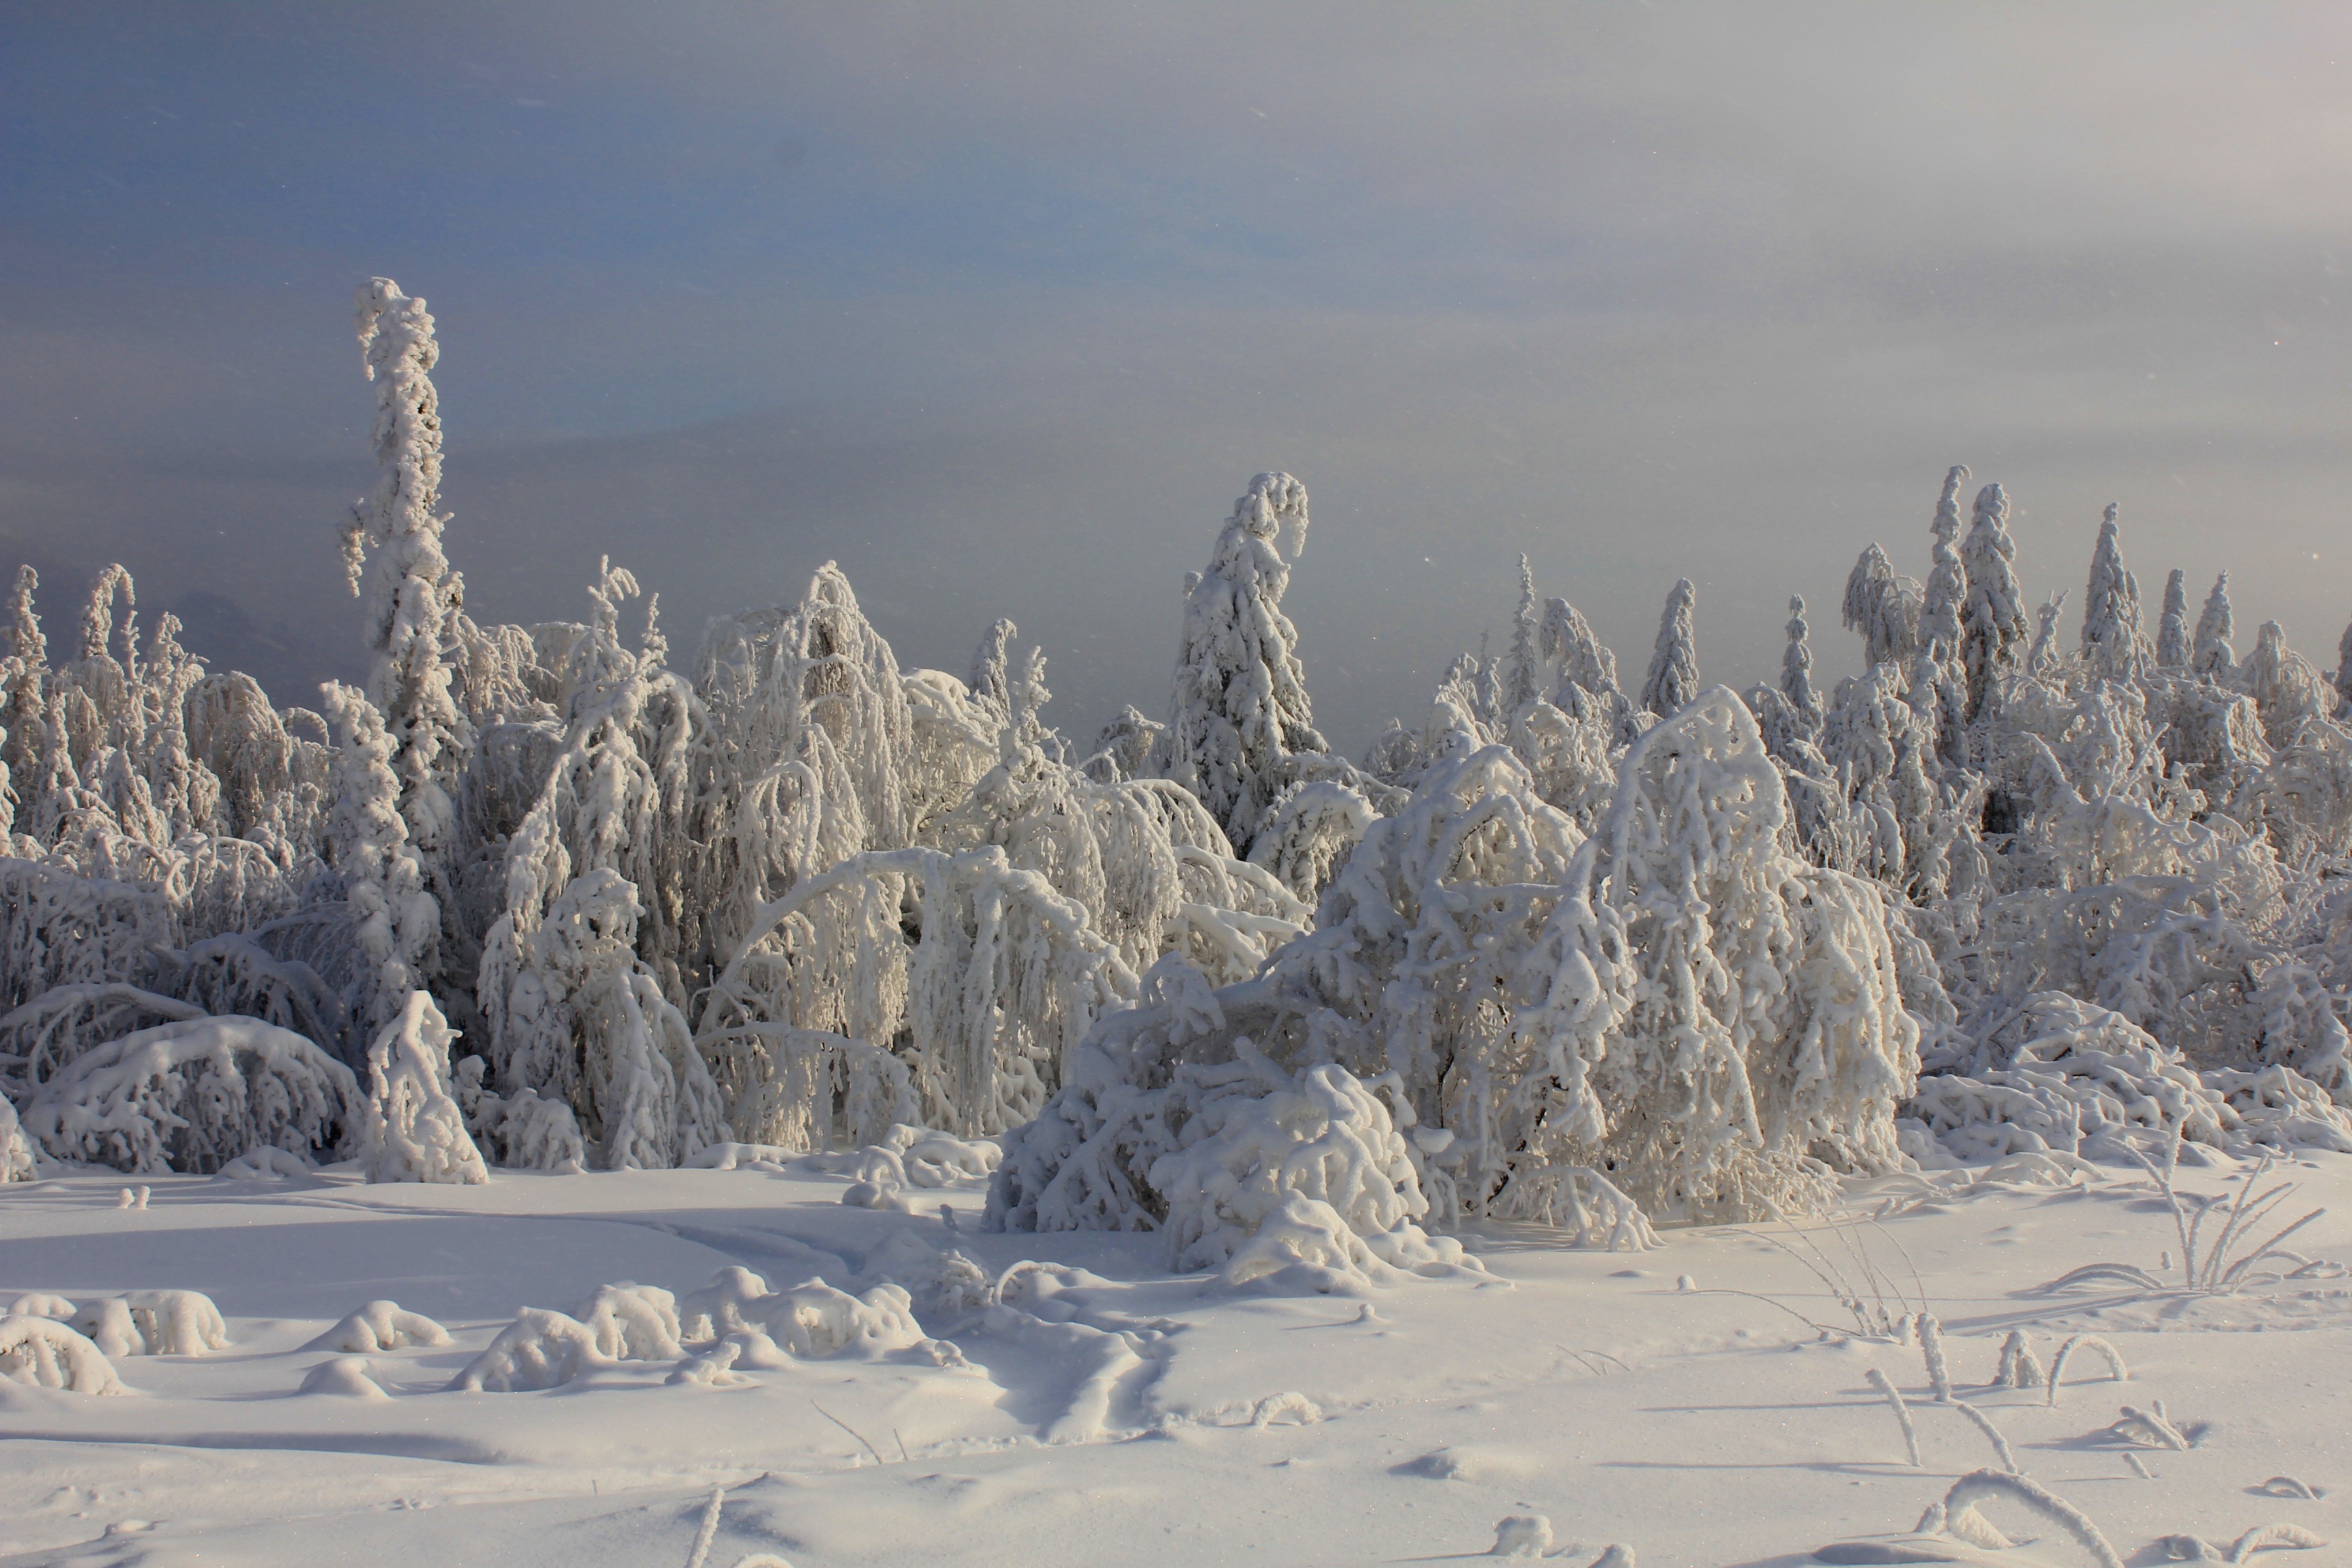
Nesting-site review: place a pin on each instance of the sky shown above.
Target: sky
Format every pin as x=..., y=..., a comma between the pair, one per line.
x=999, y=306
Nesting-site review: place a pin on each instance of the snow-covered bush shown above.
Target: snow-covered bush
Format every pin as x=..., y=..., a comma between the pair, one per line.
x=41, y=1352
x=16, y=1157
x=153, y=1322
x=381, y=1326
x=193, y=1095
x=540, y=1350
x=411, y=1130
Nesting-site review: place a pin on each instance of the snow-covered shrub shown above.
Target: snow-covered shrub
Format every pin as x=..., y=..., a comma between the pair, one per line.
x=411, y=1130
x=812, y=1319
x=41, y=1352
x=630, y=1322
x=2062, y=1074
x=153, y=1322
x=16, y=1158
x=576, y=1017
x=381, y=1326
x=540, y=1350
x=999, y=980
x=63, y=928
x=193, y=1095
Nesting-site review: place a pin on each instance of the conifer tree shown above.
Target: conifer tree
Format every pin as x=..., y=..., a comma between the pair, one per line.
x=1673, y=679
x=2172, y=626
x=1994, y=633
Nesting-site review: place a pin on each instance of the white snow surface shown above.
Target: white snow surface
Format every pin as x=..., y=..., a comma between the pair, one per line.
x=1073, y=1391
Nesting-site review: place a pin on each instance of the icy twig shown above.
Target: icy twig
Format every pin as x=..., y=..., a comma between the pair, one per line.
x=853, y=1431
x=1981, y=1485
x=1931, y=1349
x=2089, y=1342
x=710, y=1531
x=2150, y=1429
x=1879, y=1381
x=1984, y=1425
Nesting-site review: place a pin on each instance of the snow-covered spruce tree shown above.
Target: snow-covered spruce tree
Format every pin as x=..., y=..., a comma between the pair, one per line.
x=1797, y=671
x=394, y=923
x=1523, y=674
x=2210, y=653
x=1883, y=608
x=2113, y=643
x=2041, y=658
x=409, y=602
x=2288, y=690
x=1992, y=633
x=1673, y=679
x=1947, y=596
x=2172, y=624
x=1239, y=710
x=2344, y=674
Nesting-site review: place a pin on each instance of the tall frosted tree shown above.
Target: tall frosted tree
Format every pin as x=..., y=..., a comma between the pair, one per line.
x=1240, y=709
x=1883, y=607
x=2210, y=653
x=2113, y=643
x=410, y=589
x=1797, y=668
x=1993, y=634
x=395, y=926
x=2172, y=624
x=1673, y=679
x=1948, y=583
x=2344, y=666
x=1520, y=675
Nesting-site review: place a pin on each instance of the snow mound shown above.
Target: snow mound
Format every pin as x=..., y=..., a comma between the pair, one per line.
x=41, y=1352
x=41, y=1304
x=263, y=1162
x=193, y=1096
x=382, y=1326
x=343, y=1377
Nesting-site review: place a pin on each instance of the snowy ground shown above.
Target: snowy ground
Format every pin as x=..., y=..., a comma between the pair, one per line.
x=1124, y=1416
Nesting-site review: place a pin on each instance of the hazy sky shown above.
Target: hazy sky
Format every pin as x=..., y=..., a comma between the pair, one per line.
x=1002, y=305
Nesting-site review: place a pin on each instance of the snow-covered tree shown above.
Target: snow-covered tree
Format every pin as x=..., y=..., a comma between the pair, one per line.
x=2172, y=625
x=1797, y=669
x=395, y=923
x=2113, y=643
x=1673, y=679
x=2210, y=653
x=1994, y=633
x=1947, y=597
x=1240, y=709
x=1883, y=607
x=409, y=583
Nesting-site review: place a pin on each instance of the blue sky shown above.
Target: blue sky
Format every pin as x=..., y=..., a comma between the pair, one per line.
x=1000, y=306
